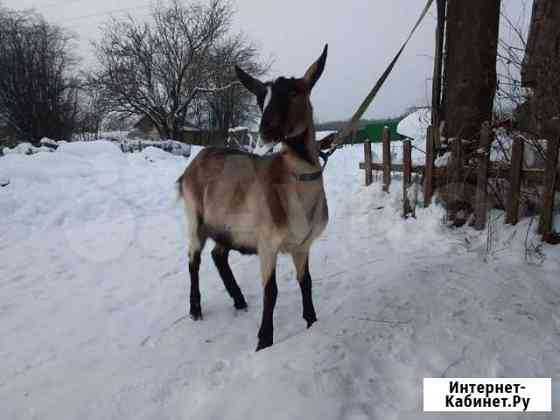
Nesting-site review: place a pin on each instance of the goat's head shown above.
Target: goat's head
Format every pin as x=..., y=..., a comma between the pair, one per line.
x=285, y=103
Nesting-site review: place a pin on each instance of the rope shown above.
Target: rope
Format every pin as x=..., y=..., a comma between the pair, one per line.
x=352, y=124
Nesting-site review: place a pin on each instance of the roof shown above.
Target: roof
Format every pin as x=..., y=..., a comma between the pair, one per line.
x=144, y=123
x=373, y=132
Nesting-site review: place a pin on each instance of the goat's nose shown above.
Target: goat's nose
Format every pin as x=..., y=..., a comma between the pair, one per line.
x=268, y=125
x=270, y=132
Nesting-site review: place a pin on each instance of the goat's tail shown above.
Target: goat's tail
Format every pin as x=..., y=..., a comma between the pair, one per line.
x=179, y=183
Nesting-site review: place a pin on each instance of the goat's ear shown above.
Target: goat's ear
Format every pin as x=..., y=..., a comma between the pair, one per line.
x=314, y=72
x=253, y=85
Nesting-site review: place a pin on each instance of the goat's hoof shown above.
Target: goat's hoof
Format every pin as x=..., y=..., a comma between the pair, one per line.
x=263, y=344
x=196, y=314
x=310, y=321
x=240, y=305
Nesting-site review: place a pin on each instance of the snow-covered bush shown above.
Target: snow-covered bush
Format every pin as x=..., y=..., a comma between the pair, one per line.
x=25, y=149
x=101, y=145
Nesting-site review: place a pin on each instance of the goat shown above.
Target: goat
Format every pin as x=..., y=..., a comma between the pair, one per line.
x=262, y=205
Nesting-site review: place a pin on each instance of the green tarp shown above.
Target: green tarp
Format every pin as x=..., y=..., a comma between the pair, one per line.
x=374, y=132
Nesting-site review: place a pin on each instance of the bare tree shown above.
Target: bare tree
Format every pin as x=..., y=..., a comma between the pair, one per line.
x=38, y=94
x=229, y=108
x=511, y=49
x=91, y=112
x=471, y=42
x=158, y=69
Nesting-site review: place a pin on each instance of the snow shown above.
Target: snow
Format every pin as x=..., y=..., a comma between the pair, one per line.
x=415, y=126
x=89, y=148
x=105, y=144
x=443, y=160
x=320, y=135
x=93, y=280
x=25, y=149
x=238, y=129
x=45, y=141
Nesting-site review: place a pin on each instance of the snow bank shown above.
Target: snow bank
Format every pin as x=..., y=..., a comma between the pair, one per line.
x=45, y=141
x=94, y=289
x=170, y=146
x=25, y=149
x=415, y=127
x=153, y=153
x=238, y=129
x=319, y=135
x=101, y=146
x=89, y=148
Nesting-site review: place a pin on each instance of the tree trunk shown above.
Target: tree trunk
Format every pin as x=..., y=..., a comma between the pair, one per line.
x=470, y=65
x=541, y=66
x=164, y=131
x=544, y=34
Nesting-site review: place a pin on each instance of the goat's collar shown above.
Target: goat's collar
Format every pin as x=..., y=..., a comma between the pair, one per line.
x=313, y=176
x=299, y=147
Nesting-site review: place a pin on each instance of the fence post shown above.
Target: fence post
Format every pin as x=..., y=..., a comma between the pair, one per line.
x=481, y=201
x=429, y=168
x=386, y=159
x=407, y=176
x=550, y=175
x=512, y=215
x=368, y=162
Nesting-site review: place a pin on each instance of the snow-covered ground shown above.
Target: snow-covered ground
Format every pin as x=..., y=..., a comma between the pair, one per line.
x=93, y=283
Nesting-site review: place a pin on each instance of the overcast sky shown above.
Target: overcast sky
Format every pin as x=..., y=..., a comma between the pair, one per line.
x=363, y=36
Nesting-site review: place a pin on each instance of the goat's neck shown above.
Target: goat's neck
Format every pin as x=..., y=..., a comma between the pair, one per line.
x=302, y=152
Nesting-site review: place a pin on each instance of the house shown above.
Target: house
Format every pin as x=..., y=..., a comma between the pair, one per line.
x=146, y=129
x=8, y=136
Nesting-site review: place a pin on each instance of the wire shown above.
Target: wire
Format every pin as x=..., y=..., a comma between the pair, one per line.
x=108, y=12
x=90, y=15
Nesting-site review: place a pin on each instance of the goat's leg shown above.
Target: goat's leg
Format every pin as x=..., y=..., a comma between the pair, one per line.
x=196, y=245
x=194, y=266
x=301, y=262
x=220, y=257
x=268, y=272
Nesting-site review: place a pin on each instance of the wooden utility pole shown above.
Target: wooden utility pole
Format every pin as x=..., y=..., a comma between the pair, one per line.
x=438, y=64
x=552, y=131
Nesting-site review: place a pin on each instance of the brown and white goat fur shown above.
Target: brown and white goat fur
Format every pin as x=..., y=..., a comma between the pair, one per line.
x=261, y=205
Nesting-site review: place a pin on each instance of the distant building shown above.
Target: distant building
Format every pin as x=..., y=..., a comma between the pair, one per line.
x=146, y=129
x=8, y=136
x=373, y=132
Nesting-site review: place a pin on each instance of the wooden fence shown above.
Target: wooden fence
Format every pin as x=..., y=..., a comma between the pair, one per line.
x=456, y=175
